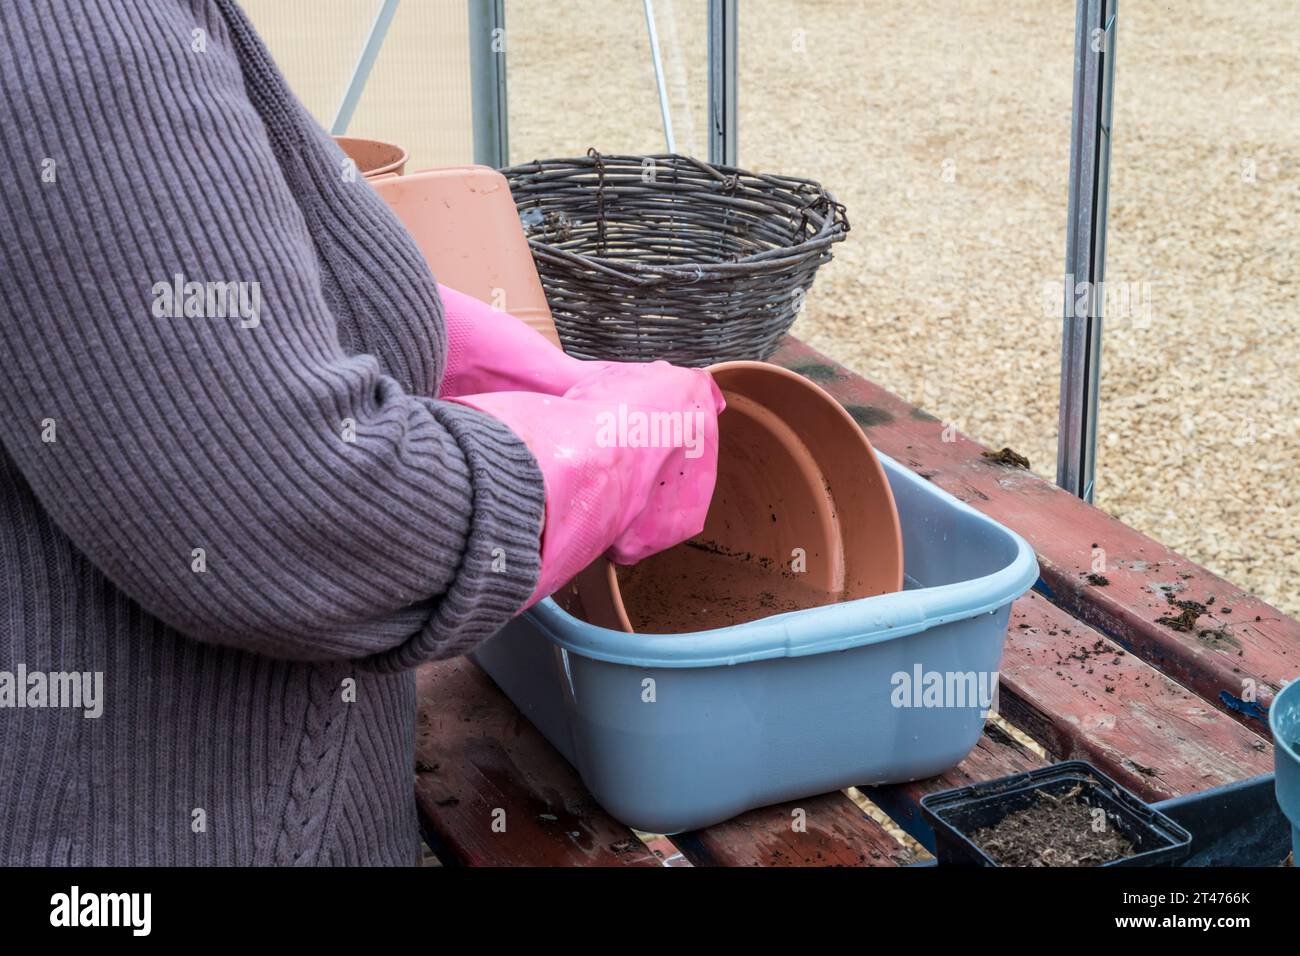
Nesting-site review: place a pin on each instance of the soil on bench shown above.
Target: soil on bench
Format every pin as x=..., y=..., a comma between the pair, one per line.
x=1185, y=619
x=1007, y=456
x=1052, y=831
x=699, y=585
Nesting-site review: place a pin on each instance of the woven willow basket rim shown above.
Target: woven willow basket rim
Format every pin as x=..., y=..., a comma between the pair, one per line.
x=803, y=197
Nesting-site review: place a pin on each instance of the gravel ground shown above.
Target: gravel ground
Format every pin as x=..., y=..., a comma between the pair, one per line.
x=944, y=127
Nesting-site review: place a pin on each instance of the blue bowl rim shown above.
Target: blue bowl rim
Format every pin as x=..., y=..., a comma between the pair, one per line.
x=822, y=630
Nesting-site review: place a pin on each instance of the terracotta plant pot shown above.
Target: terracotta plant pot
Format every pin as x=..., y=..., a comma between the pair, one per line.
x=373, y=157
x=465, y=222
x=802, y=516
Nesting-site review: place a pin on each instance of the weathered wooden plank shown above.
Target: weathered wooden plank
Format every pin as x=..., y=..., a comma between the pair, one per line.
x=1081, y=696
x=479, y=761
x=835, y=833
x=1228, y=657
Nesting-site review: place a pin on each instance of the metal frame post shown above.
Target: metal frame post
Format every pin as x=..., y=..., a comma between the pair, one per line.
x=723, y=60
x=361, y=72
x=487, y=68
x=664, y=110
x=1085, y=256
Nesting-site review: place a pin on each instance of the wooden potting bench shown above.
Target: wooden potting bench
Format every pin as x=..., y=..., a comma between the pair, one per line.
x=1089, y=672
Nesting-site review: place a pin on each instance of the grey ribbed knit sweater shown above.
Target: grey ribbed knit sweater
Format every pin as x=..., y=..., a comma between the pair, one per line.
x=252, y=525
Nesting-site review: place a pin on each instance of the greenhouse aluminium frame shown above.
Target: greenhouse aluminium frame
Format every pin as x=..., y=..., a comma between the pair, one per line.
x=1094, y=75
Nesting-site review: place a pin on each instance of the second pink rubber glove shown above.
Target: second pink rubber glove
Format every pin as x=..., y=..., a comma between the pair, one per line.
x=629, y=456
x=492, y=351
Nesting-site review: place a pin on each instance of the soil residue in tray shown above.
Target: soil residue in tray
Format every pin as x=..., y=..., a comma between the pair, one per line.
x=1052, y=831
x=700, y=585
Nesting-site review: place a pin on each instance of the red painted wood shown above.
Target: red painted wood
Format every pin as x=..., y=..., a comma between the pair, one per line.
x=1082, y=696
x=1251, y=651
x=837, y=834
x=475, y=755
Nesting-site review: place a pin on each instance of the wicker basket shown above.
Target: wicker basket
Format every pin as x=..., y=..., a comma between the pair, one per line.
x=667, y=257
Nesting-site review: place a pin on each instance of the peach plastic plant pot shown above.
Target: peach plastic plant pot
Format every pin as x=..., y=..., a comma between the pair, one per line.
x=466, y=224
x=373, y=157
x=796, y=475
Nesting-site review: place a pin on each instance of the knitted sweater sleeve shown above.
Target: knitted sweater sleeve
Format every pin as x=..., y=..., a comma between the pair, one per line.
x=174, y=389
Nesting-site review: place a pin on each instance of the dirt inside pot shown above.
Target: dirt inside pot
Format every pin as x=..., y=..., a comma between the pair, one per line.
x=1052, y=831
x=801, y=516
x=700, y=585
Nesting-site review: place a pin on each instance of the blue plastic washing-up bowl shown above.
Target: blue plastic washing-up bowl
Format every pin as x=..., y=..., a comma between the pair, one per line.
x=1284, y=721
x=674, y=732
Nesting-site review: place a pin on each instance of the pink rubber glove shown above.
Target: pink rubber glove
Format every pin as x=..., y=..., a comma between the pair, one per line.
x=491, y=351
x=609, y=489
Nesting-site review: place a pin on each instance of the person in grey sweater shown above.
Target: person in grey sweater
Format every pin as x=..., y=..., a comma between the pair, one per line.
x=242, y=526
